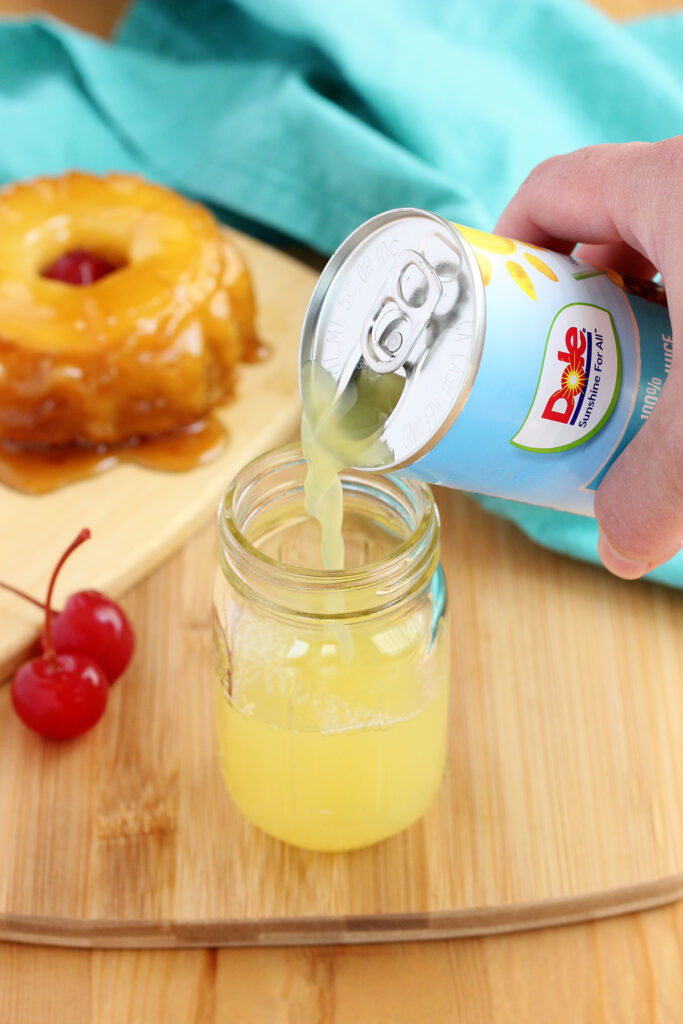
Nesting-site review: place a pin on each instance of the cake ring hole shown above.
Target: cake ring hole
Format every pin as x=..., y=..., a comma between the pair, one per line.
x=82, y=266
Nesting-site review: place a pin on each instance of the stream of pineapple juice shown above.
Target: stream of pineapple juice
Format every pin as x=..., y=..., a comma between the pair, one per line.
x=334, y=735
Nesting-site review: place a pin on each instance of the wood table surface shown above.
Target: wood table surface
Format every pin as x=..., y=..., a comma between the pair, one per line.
x=624, y=970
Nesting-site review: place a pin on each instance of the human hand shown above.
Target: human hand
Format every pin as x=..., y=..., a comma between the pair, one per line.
x=624, y=203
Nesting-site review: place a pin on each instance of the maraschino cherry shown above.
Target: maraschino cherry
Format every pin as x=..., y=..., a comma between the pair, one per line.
x=93, y=624
x=79, y=267
x=61, y=694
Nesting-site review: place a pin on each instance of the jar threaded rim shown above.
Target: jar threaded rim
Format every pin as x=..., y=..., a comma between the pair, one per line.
x=390, y=578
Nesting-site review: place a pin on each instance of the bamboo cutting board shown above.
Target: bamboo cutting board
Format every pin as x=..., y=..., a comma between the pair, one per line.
x=139, y=516
x=562, y=798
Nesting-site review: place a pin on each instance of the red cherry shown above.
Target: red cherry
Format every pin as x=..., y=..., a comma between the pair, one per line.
x=60, y=695
x=78, y=267
x=91, y=624
x=64, y=692
x=96, y=626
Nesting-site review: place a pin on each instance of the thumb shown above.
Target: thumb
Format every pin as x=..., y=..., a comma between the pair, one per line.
x=639, y=504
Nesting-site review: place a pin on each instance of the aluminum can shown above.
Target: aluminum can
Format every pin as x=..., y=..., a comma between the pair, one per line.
x=526, y=372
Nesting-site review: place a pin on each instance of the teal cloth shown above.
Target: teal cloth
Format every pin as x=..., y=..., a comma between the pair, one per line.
x=305, y=118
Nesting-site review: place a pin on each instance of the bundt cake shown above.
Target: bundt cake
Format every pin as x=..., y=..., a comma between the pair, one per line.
x=124, y=310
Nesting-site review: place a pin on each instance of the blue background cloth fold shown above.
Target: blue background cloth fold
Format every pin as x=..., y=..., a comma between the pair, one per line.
x=307, y=118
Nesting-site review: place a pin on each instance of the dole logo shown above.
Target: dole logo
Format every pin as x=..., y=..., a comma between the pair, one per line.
x=560, y=405
x=578, y=385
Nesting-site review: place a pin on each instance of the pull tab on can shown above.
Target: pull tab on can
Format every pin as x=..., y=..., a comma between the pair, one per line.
x=402, y=296
x=400, y=313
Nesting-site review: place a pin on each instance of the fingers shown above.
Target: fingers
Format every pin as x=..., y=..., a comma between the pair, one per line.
x=601, y=194
x=639, y=505
x=618, y=256
x=626, y=203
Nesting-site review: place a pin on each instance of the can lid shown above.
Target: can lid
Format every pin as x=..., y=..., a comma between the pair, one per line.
x=401, y=296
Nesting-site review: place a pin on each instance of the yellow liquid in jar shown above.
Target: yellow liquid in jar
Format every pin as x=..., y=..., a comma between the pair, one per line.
x=329, y=753
x=333, y=736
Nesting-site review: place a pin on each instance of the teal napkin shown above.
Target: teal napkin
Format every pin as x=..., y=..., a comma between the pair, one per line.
x=306, y=118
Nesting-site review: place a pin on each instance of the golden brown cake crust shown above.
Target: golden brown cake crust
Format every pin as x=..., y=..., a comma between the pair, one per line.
x=145, y=350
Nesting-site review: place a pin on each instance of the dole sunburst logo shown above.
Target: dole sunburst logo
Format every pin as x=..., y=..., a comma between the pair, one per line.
x=560, y=405
x=579, y=382
x=499, y=245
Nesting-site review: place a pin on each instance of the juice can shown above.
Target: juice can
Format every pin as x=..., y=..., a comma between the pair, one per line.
x=524, y=373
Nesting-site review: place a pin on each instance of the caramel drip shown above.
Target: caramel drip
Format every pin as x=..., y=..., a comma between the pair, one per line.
x=37, y=471
x=256, y=352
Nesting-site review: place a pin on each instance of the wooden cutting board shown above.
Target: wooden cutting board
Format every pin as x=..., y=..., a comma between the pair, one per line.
x=139, y=516
x=562, y=798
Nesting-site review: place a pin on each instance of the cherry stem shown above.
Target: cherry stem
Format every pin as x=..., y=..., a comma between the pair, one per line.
x=21, y=593
x=80, y=539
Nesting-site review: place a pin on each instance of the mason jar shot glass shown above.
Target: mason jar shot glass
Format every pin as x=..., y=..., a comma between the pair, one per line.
x=331, y=687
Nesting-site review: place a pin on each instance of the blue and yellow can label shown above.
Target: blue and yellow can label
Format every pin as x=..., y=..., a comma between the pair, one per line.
x=573, y=362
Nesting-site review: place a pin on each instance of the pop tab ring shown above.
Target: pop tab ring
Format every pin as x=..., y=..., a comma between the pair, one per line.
x=405, y=303
x=403, y=294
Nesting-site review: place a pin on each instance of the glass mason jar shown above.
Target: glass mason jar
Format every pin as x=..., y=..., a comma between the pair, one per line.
x=332, y=687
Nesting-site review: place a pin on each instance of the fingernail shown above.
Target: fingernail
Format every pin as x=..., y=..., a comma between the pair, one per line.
x=619, y=564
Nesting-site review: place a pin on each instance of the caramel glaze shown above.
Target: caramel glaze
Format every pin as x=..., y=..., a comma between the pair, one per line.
x=124, y=311
x=38, y=470
x=257, y=352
